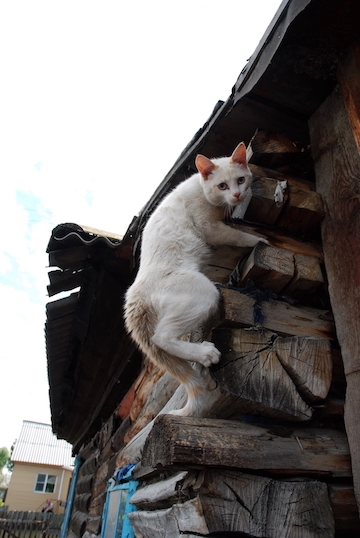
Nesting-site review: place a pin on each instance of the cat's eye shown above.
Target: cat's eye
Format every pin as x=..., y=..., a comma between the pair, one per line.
x=241, y=180
x=222, y=186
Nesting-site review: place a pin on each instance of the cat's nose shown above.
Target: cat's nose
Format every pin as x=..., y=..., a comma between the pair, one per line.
x=237, y=195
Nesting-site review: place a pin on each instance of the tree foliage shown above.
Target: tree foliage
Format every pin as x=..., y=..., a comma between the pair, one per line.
x=4, y=457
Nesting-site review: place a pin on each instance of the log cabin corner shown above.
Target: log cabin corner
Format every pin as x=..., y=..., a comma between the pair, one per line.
x=279, y=452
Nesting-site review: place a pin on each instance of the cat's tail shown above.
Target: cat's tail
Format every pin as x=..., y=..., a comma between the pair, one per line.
x=140, y=322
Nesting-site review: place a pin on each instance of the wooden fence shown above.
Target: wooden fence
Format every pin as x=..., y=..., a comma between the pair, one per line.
x=18, y=524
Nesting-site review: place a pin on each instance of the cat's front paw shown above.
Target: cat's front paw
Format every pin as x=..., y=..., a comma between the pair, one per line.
x=208, y=354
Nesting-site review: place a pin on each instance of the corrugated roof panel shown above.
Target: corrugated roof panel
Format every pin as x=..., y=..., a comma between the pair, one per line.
x=38, y=444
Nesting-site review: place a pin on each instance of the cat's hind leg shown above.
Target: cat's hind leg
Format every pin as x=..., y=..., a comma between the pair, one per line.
x=190, y=306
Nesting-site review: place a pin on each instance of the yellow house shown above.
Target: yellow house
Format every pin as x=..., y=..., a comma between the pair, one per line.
x=42, y=469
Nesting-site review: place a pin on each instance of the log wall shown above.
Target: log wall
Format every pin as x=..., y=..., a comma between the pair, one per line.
x=270, y=456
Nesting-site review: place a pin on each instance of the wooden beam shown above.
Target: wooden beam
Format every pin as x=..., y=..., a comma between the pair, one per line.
x=334, y=131
x=301, y=210
x=280, y=270
x=272, y=372
x=189, y=442
x=253, y=505
x=279, y=316
x=253, y=493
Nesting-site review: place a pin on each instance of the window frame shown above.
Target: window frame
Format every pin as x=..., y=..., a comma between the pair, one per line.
x=45, y=482
x=129, y=486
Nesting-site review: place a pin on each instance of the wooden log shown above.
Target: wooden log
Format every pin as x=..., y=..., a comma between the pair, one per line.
x=84, y=484
x=253, y=505
x=303, y=211
x=222, y=261
x=163, y=493
x=151, y=397
x=279, y=316
x=270, y=266
x=335, y=139
x=231, y=485
x=82, y=502
x=307, y=277
x=308, y=362
x=280, y=270
x=250, y=368
x=93, y=525
x=271, y=371
x=300, y=211
x=78, y=522
x=343, y=503
x=188, y=442
x=91, y=463
x=279, y=240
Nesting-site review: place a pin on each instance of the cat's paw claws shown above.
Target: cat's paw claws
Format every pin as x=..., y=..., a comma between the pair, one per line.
x=209, y=354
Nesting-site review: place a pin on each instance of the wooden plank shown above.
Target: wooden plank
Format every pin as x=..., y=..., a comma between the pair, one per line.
x=189, y=442
x=334, y=135
x=256, y=506
x=279, y=316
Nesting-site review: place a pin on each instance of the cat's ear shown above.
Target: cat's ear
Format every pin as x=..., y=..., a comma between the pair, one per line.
x=204, y=165
x=239, y=154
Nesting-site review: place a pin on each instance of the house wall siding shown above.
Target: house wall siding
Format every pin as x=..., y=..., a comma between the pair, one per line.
x=21, y=494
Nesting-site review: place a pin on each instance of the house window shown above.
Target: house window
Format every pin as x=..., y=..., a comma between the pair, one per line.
x=115, y=522
x=45, y=483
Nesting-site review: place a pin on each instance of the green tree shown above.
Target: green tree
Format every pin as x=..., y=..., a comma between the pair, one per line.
x=4, y=457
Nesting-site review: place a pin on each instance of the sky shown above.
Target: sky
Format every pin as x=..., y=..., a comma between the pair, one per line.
x=98, y=100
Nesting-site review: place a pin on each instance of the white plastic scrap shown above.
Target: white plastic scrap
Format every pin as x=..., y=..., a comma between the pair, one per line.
x=279, y=192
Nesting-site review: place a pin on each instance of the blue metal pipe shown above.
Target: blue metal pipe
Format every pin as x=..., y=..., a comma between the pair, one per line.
x=70, y=498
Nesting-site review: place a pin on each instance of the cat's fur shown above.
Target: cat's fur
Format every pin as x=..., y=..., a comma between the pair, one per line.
x=170, y=296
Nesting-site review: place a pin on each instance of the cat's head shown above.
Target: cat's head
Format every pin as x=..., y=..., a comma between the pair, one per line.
x=225, y=180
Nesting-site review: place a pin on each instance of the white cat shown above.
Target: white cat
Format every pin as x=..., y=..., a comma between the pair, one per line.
x=170, y=296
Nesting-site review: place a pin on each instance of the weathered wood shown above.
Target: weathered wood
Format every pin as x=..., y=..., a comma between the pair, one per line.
x=222, y=261
x=278, y=239
x=307, y=277
x=308, y=362
x=236, y=502
x=271, y=371
x=279, y=316
x=82, y=502
x=250, y=368
x=334, y=131
x=90, y=464
x=343, y=503
x=153, y=394
x=232, y=484
x=270, y=266
x=78, y=522
x=300, y=211
x=280, y=270
x=85, y=483
x=188, y=442
x=303, y=211
x=163, y=493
